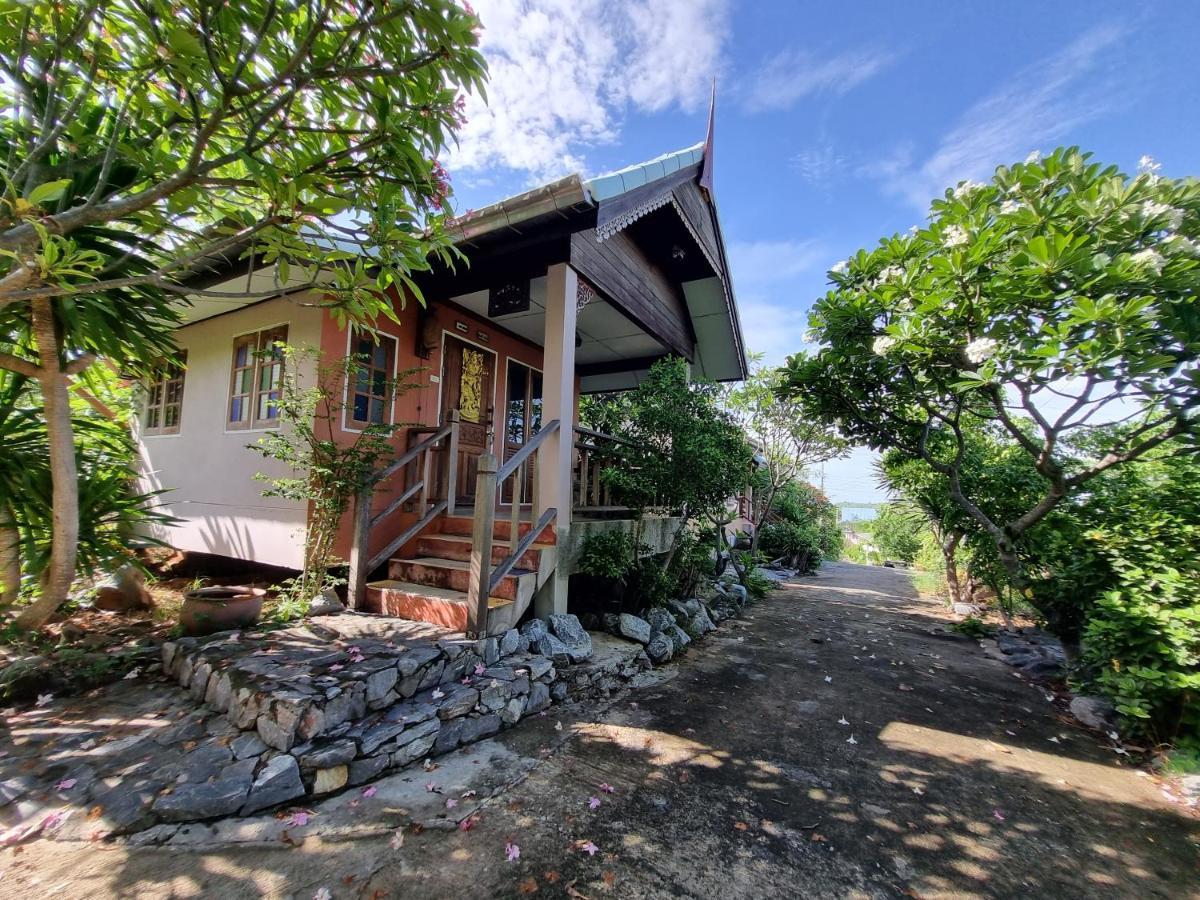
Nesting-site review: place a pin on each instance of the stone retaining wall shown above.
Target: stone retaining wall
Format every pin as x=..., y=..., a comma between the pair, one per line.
x=319, y=715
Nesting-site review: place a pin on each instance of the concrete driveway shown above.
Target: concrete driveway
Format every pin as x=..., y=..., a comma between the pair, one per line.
x=836, y=742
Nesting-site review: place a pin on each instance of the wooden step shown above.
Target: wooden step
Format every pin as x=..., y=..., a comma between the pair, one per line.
x=458, y=546
x=454, y=574
x=465, y=526
x=423, y=603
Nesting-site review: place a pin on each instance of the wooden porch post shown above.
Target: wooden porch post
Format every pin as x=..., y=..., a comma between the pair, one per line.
x=360, y=551
x=558, y=402
x=481, y=547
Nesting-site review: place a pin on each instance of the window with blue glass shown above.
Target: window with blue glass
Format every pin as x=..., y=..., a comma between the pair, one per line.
x=375, y=360
x=256, y=383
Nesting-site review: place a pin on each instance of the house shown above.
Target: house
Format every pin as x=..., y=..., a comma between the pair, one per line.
x=577, y=286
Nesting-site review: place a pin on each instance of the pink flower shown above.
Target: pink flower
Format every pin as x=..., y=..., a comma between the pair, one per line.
x=336, y=667
x=999, y=815
x=370, y=792
x=512, y=852
x=480, y=668
x=297, y=819
x=589, y=848
x=65, y=785
x=593, y=802
x=451, y=803
x=432, y=787
x=607, y=788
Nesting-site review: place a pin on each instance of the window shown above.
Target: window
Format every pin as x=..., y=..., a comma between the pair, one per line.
x=164, y=399
x=257, y=380
x=372, y=389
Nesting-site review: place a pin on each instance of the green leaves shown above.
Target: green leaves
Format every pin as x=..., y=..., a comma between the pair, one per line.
x=51, y=190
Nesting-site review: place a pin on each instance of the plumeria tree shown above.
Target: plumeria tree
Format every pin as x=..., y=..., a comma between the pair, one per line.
x=786, y=441
x=147, y=141
x=1058, y=296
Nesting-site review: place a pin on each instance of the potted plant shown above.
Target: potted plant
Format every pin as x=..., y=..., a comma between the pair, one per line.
x=220, y=608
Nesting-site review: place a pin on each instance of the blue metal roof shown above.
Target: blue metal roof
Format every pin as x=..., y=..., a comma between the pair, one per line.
x=605, y=187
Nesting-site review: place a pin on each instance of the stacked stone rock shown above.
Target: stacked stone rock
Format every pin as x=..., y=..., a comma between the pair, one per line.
x=319, y=717
x=666, y=630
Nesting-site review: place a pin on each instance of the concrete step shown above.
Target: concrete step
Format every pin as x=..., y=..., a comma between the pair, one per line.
x=458, y=546
x=465, y=525
x=422, y=603
x=453, y=574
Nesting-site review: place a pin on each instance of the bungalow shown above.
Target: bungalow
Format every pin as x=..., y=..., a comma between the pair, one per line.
x=577, y=286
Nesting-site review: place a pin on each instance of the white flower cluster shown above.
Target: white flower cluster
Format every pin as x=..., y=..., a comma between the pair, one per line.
x=1182, y=245
x=1153, y=210
x=1149, y=165
x=981, y=349
x=1149, y=259
x=954, y=236
x=840, y=267
x=883, y=344
x=890, y=273
x=966, y=188
x=1034, y=157
x=1009, y=207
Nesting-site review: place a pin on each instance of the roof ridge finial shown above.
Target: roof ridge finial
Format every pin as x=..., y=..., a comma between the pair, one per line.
x=706, y=167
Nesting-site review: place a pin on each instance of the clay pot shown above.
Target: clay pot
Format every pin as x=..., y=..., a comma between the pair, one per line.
x=221, y=608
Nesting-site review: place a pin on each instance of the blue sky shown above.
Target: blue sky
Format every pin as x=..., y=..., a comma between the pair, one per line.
x=836, y=122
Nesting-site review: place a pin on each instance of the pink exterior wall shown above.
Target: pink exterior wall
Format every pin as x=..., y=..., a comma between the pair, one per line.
x=421, y=405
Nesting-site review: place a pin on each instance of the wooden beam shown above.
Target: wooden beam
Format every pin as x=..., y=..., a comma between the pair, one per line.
x=616, y=366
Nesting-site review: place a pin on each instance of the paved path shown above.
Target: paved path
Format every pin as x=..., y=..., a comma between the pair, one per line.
x=734, y=776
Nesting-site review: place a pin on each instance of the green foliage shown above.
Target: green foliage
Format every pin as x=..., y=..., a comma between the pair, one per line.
x=607, y=554
x=973, y=627
x=685, y=451
x=112, y=510
x=329, y=473
x=897, y=531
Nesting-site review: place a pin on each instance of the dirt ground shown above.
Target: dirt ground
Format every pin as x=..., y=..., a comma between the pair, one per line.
x=836, y=742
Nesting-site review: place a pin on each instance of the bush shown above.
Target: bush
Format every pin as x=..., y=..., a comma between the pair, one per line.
x=608, y=554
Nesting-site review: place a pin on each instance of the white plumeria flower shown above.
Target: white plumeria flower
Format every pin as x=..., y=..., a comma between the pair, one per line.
x=1149, y=259
x=1034, y=157
x=1154, y=210
x=981, y=349
x=966, y=189
x=1149, y=165
x=840, y=268
x=1009, y=207
x=905, y=305
x=882, y=345
x=1182, y=245
x=954, y=236
x=891, y=273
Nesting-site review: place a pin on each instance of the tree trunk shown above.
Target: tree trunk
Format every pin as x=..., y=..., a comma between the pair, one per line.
x=56, y=581
x=10, y=557
x=950, y=555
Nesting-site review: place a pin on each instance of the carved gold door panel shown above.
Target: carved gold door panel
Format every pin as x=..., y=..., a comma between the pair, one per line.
x=468, y=376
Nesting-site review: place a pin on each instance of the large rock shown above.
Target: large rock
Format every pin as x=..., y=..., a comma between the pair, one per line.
x=660, y=618
x=509, y=642
x=331, y=779
x=334, y=753
x=634, y=629
x=477, y=729
x=208, y=799
x=700, y=624
x=534, y=629
x=1094, y=712
x=738, y=592
x=551, y=646
x=567, y=629
x=277, y=782
x=660, y=648
x=538, y=699
x=459, y=703
x=678, y=637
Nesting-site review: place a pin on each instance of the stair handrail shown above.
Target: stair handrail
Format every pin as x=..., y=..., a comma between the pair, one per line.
x=483, y=577
x=361, y=565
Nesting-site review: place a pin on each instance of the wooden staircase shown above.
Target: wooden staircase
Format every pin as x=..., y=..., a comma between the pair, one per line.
x=431, y=584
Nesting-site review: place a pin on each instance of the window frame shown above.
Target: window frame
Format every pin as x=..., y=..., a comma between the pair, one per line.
x=155, y=397
x=260, y=359
x=349, y=420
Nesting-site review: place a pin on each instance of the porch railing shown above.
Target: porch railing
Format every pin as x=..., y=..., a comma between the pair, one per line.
x=362, y=562
x=595, y=450
x=484, y=578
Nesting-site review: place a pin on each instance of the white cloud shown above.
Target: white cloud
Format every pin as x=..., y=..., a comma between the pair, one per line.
x=791, y=76
x=1039, y=105
x=756, y=263
x=775, y=330
x=819, y=164
x=564, y=72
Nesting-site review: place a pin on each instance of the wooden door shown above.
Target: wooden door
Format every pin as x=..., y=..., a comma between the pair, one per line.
x=468, y=376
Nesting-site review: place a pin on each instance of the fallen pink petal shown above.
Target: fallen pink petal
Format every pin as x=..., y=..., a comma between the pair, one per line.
x=593, y=802
x=512, y=852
